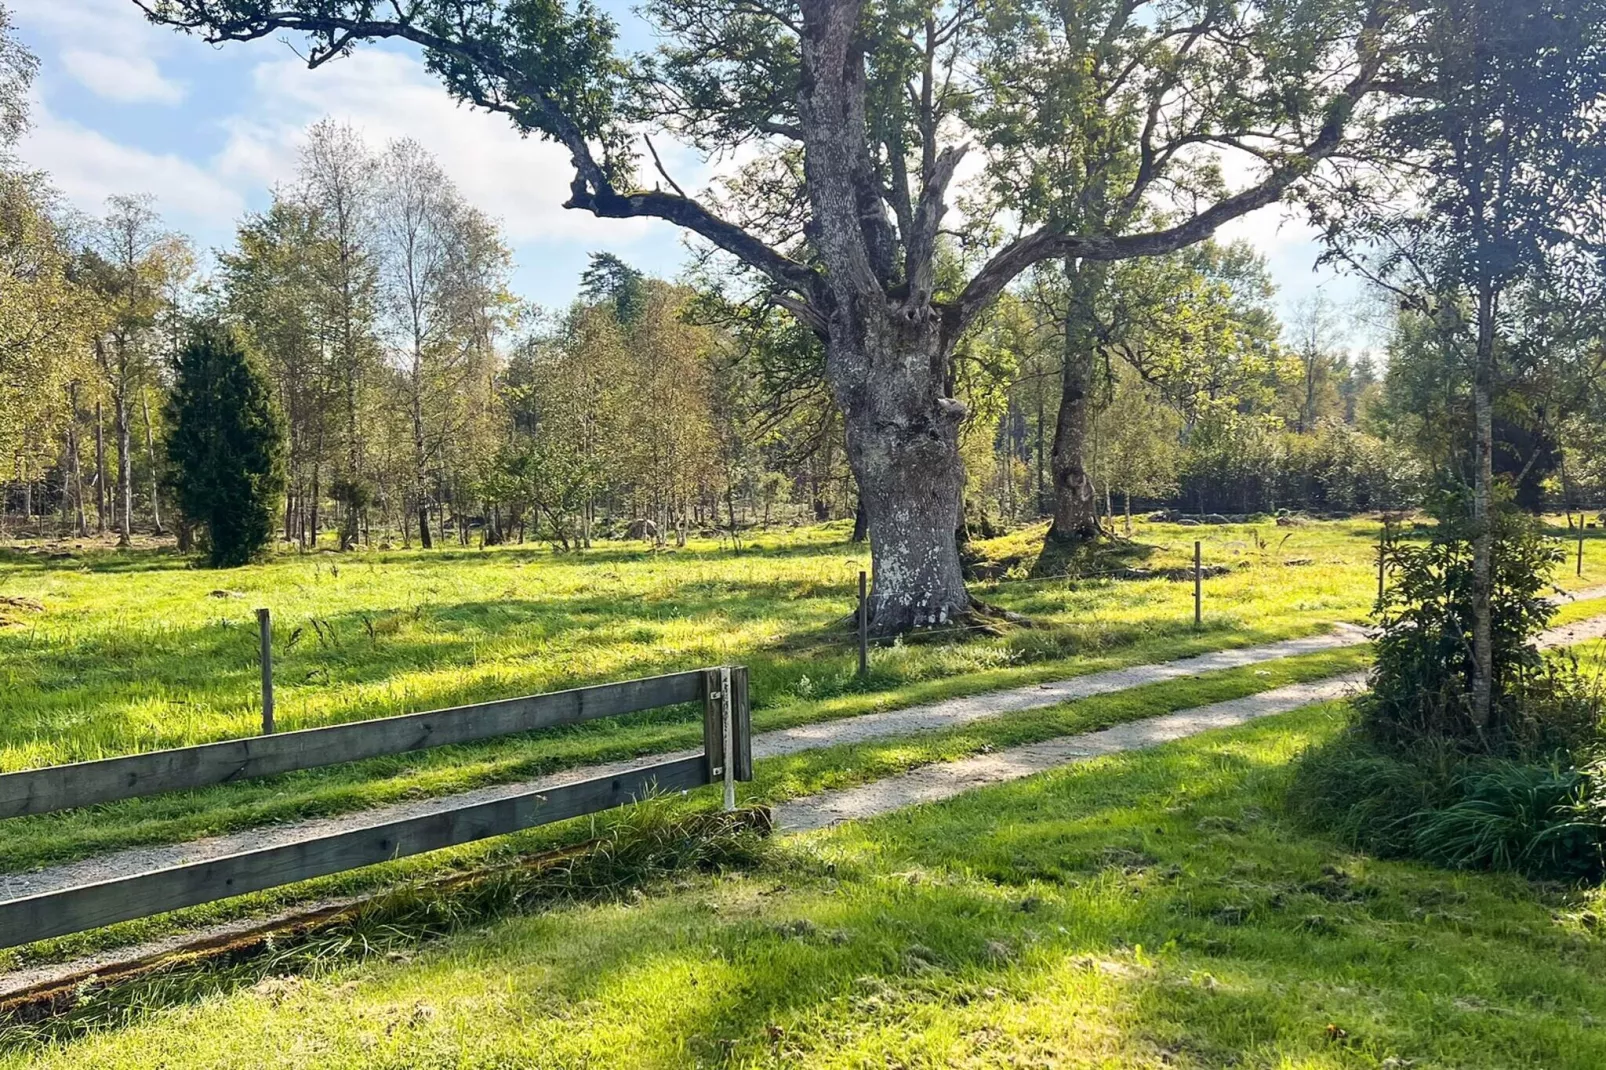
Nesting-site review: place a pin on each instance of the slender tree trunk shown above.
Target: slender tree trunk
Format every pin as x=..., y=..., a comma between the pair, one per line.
x=150, y=452
x=292, y=508
x=861, y=522
x=125, y=466
x=75, y=464
x=1075, y=500
x=100, y=469
x=1482, y=514
x=316, y=500
x=1042, y=453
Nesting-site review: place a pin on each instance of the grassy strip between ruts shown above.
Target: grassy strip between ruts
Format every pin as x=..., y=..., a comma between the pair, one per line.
x=1572, y=612
x=1146, y=909
x=31, y=842
x=779, y=778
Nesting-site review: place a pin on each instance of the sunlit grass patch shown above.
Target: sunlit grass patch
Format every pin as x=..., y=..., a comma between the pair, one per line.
x=1153, y=908
x=134, y=651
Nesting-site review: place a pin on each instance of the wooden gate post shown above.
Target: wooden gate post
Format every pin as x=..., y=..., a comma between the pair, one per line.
x=742, y=720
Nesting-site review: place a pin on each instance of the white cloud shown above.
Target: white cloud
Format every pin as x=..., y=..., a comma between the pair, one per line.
x=388, y=95
x=88, y=167
x=127, y=79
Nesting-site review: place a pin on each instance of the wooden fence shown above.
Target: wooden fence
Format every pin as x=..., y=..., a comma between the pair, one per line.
x=727, y=757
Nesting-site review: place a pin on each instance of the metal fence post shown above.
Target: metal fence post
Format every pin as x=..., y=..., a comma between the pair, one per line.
x=1198, y=586
x=265, y=630
x=864, y=628
x=728, y=738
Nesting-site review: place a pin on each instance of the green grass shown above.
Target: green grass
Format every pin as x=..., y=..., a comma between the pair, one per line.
x=1150, y=909
x=134, y=651
x=776, y=779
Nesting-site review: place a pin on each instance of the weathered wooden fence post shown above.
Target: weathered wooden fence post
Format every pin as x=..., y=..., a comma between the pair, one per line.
x=1198, y=585
x=1580, y=549
x=864, y=628
x=742, y=718
x=265, y=630
x=727, y=729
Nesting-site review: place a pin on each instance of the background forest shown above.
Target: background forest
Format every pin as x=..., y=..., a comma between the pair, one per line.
x=424, y=402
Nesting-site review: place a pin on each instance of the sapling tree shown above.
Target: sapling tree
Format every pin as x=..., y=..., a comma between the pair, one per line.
x=868, y=111
x=1486, y=173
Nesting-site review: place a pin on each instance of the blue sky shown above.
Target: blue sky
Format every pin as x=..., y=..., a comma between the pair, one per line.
x=126, y=107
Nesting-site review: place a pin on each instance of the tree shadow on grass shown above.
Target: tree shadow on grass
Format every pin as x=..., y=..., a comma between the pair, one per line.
x=98, y=561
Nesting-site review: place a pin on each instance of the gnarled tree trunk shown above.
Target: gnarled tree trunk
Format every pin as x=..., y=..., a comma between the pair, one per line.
x=1075, y=511
x=903, y=445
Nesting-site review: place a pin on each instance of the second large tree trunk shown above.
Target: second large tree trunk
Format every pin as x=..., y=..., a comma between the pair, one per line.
x=1075, y=499
x=903, y=446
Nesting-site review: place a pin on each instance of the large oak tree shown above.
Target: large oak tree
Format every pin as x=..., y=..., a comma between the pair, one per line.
x=872, y=108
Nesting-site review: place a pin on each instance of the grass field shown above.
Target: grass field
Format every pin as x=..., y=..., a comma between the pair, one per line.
x=137, y=650
x=1152, y=909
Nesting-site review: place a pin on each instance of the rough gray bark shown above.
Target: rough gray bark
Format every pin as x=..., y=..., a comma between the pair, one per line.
x=1075, y=511
x=903, y=446
x=887, y=357
x=1075, y=497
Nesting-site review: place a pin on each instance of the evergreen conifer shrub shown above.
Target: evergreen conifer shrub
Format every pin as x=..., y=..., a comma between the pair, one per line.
x=227, y=444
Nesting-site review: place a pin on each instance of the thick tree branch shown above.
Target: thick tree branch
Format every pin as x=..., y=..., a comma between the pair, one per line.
x=1051, y=243
x=592, y=190
x=921, y=242
x=689, y=214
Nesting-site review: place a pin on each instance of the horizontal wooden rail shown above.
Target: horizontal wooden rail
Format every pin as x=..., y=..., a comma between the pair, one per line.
x=89, y=906
x=60, y=787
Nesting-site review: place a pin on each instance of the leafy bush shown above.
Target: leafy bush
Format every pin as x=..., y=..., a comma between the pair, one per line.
x=1421, y=684
x=1434, y=803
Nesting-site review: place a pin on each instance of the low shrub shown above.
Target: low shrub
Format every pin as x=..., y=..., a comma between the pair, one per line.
x=1421, y=684
x=1546, y=820
x=1417, y=774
